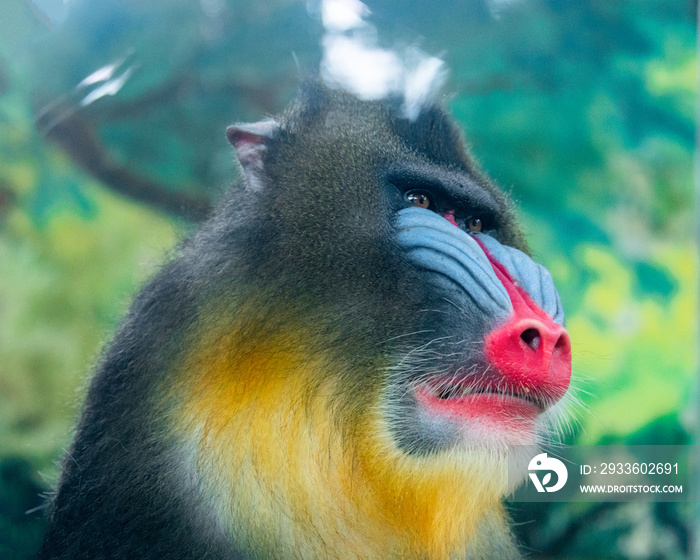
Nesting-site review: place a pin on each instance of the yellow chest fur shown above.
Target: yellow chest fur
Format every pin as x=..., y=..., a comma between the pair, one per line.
x=289, y=478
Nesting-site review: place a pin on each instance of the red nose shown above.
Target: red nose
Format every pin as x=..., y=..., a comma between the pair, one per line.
x=530, y=350
x=533, y=354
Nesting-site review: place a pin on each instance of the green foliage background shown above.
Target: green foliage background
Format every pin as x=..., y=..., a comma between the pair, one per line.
x=586, y=111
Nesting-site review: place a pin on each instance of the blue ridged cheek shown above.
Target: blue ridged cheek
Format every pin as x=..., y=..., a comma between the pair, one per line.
x=452, y=260
x=456, y=265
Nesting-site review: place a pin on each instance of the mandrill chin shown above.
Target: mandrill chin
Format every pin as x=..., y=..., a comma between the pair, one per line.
x=332, y=367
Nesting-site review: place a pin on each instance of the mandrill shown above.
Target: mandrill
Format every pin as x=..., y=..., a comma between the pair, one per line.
x=333, y=367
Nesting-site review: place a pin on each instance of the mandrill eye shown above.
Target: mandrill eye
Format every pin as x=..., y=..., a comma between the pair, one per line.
x=421, y=199
x=474, y=224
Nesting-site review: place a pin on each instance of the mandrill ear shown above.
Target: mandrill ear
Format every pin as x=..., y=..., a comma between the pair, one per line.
x=251, y=141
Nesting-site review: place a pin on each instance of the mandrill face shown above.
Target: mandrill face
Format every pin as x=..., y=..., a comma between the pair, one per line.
x=498, y=357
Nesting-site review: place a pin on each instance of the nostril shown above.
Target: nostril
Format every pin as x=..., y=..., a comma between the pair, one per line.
x=562, y=343
x=532, y=338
